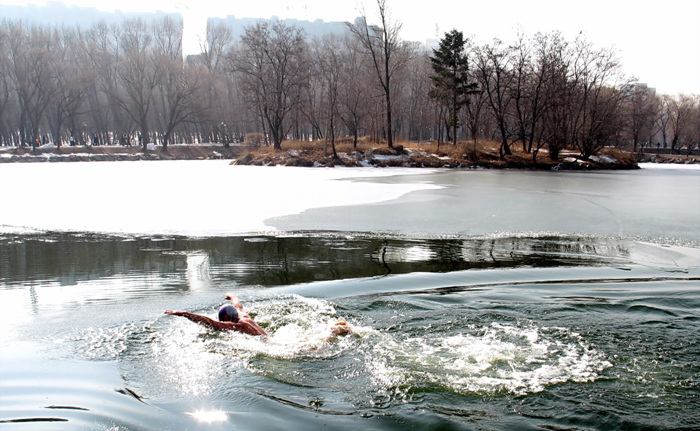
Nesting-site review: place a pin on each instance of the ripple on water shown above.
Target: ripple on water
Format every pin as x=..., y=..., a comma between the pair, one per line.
x=519, y=326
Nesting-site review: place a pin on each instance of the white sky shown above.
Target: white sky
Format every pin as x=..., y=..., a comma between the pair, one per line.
x=658, y=41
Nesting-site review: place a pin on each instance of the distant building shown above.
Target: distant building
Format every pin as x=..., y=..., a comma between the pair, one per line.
x=57, y=13
x=640, y=88
x=431, y=44
x=312, y=29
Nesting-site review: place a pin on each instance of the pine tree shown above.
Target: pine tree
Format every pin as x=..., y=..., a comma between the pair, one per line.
x=451, y=83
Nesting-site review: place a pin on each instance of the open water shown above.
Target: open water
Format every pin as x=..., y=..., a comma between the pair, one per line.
x=454, y=328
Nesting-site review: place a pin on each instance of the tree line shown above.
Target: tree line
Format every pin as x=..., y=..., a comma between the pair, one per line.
x=128, y=83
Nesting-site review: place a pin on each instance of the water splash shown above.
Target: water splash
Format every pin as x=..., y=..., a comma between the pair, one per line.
x=496, y=358
x=518, y=358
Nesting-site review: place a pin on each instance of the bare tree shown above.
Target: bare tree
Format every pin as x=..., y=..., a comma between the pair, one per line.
x=493, y=68
x=272, y=65
x=560, y=98
x=355, y=92
x=329, y=57
x=5, y=89
x=218, y=89
x=139, y=73
x=179, y=103
x=694, y=130
x=420, y=105
x=680, y=113
x=523, y=72
x=585, y=100
x=475, y=115
x=388, y=54
x=101, y=53
x=663, y=120
x=597, y=78
x=642, y=111
x=548, y=70
x=177, y=86
x=313, y=107
x=114, y=80
x=30, y=66
x=72, y=78
x=219, y=40
x=533, y=68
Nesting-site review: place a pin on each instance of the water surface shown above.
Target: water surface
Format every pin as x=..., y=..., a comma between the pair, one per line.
x=469, y=312
x=507, y=332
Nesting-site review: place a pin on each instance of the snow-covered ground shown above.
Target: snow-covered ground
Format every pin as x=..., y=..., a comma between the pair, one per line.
x=671, y=166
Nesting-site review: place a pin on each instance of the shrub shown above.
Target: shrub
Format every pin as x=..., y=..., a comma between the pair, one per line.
x=256, y=139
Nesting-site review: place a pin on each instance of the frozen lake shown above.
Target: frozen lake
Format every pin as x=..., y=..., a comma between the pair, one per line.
x=212, y=198
x=196, y=198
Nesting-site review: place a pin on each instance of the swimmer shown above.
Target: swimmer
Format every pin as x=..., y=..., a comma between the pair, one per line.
x=232, y=317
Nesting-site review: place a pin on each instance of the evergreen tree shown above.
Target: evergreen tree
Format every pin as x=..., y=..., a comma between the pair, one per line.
x=451, y=82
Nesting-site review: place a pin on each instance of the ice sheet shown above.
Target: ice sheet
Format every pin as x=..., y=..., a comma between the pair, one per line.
x=195, y=198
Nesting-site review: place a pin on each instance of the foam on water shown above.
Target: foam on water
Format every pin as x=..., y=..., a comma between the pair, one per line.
x=298, y=327
x=194, y=359
x=500, y=357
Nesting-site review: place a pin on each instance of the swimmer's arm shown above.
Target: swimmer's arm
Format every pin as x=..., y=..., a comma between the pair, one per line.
x=235, y=301
x=203, y=320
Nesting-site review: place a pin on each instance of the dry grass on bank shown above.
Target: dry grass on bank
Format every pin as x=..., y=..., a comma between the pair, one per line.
x=485, y=152
x=413, y=154
x=365, y=145
x=467, y=154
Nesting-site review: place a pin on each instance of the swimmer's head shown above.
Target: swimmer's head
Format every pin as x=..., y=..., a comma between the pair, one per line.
x=228, y=313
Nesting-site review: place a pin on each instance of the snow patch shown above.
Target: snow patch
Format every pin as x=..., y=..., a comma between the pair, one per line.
x=604, y=159
x=387, y=157
x=670, y=166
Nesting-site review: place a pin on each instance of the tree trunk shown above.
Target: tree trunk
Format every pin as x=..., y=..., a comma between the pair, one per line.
x=144, y=135
x=504, y=150
x=389, y=128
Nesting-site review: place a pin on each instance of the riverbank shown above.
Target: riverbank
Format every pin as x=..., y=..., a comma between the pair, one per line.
x=116, y=153
x=418, y=155
x=484, y=155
